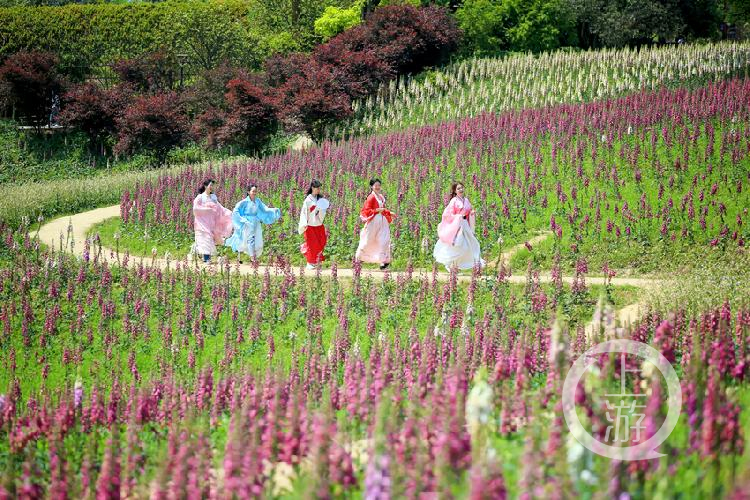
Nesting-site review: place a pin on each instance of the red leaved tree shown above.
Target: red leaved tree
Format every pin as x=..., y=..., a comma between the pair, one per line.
x=313, y=100
x=154, y=72
x=251, y=117
x=94, y=110
x=31, y=81
x=155, y=123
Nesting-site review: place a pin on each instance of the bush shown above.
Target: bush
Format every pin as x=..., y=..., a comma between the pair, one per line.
x=407, y=39
x=153, y=72
x=94, y=110
x=313, y=100
x=155, y=122
x=482, y=24
x=100, y=34
x=357, y=73
x=251, y=117
x=336, y=20
x=30, y=81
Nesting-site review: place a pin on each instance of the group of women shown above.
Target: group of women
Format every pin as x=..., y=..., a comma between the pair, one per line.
x=242, y=228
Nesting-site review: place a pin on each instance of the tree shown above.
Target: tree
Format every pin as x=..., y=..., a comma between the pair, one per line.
x=358, y=74
x=251, y=117
x=154, y=123
x=336, y=20
x=313, y=100
x=538, y=25
x=154, y=72
x=482, y=23
x=30, y=81
x=94, y=110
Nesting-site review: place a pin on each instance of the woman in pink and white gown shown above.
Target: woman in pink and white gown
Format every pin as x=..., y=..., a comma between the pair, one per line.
x=457, y=245
x=212, y=222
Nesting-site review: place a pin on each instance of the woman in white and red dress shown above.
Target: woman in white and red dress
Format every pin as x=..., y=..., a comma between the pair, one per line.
x=311, y=225
x=375, y=237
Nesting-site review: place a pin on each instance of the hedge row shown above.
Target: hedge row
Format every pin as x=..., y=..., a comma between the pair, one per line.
x=240, y=32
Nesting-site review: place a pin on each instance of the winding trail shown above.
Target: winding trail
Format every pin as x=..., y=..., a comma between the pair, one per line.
x=56, y=230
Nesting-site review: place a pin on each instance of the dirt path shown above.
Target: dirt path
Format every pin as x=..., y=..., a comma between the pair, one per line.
x=80, y=225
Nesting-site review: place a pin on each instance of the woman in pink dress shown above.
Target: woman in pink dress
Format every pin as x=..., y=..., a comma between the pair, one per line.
x=375, y=236
x=457, y=245
x=212, y=223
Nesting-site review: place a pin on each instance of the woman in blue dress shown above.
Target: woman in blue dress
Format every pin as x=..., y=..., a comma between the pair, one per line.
x=248, y=218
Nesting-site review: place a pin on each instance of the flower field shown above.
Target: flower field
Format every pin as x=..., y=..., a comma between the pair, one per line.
x=124, y=376
x=476, y=86
x=176, y=384
x=641, y=182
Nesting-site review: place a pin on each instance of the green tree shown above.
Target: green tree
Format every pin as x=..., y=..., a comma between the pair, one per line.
x=482, y=22
x=335, y=20
x=538, y=25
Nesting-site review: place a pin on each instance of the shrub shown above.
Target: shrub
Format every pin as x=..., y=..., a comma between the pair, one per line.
x=313, y=100
x=154, y=122
x=251, y=117
x=153, y=72
x=404, y=37
x=482, y=24
x=30, y=81
x=358, y=73
x=94, y=110
x=336, y=20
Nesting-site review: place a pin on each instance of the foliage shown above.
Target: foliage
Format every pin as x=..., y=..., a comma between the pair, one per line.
x=31, y=81
x=93, y=35
x=482, y=23
x=152, y=72
x=155, y=122
x=94, y=110
x=251, y=118
x=336, y=20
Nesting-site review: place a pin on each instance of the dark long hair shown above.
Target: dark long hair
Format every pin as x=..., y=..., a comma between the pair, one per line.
x=314, y=184
x=453, y=188
x=206, y=183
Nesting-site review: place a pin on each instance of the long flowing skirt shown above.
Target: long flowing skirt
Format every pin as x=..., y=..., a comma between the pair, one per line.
x=248, y=239
x=315, y=243
x=204, y=243
x=375, y=241
x=464, y=252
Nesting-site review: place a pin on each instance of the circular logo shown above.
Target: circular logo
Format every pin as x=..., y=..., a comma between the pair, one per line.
x=622, y=408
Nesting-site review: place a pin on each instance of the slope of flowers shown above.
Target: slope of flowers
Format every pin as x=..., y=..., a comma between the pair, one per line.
x=474, y=86
x=136, y=382
x=642, y=181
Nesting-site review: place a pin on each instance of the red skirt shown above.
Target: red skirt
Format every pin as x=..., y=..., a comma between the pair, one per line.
x=315, y=243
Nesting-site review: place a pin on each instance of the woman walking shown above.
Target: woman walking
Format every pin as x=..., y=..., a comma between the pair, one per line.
x=248, y=218
x=457, y=245
x=311, y=225
x=375, y=237
x=212, y=221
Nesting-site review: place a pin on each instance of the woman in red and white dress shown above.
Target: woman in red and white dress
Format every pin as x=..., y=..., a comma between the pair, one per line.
x=375, y=236
x=311, y=225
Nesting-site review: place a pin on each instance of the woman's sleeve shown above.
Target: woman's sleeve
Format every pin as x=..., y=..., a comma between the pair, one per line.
x=200, y=207
x=368, y=210
x=303, y=218
x=238, y=219
x=267, y=215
